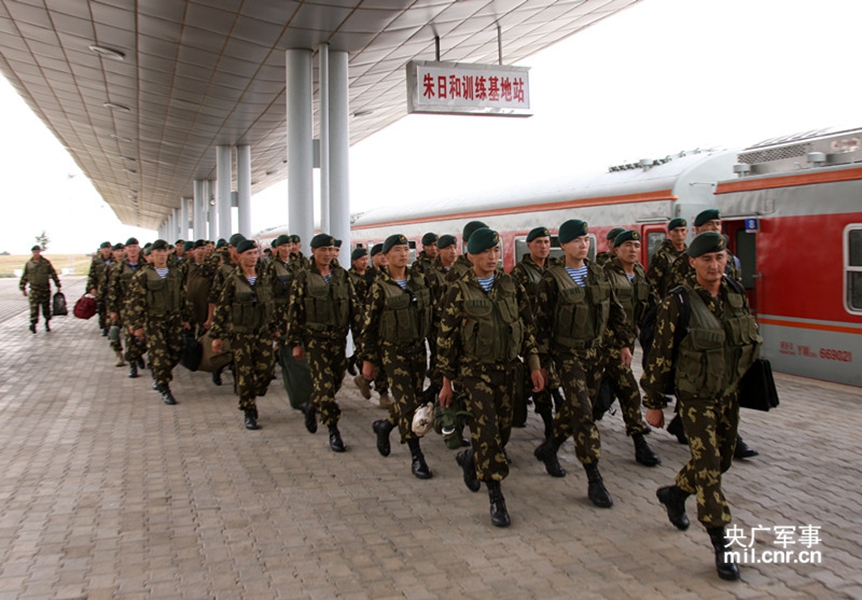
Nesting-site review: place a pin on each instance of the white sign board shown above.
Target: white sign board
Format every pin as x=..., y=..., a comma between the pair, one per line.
x=462, y=88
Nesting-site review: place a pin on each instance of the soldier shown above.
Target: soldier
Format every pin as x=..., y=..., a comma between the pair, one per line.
x=323, y=305
x=602, y=258
x=118, y=256
x=398, y=316
x=429, y=252
x=628, y=280
x=296, y=250
x=462, y=264
x=229, y=262
x=720, y=342
x=244, y=315
x=576, y=304
x=199, y=275
x=447, y=254
x=38, y=272
x=156, y=308
x=362, y=279
x=97, y=280
x=381, y=382
x=486, y=324
x=664, y=258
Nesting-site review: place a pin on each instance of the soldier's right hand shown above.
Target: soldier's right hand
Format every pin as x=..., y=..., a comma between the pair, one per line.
x=92, y=292
x=368, y=370
x=24, y=292
x=655, y=417
x=298, y=353
x=445, y=394
x=217, y=346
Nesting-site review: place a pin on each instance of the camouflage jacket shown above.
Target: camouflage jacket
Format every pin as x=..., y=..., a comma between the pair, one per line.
x=223, y=314
x=139, y=312
x=459, y=268
x=297, y=322
x=118, y=285
x=38, y=275
x=660, y=267
x=635, y=307
x=280, y=276
x=529, y=274
x=97, y=276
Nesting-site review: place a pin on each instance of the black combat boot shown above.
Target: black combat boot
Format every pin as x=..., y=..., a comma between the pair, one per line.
x=104, y=332
x=33, y=327
x=673, y=497
x=724, y=565
x=155, y=385
x=141, y=363
x=559, y=400
x=419, y=467
x=251, y=419
x=547, y=453
x=675, y=428
x=351, y=365
x=643, y=453
x=133, y=369
x=167, y=396
x=499, y=514
x=310, y=416
x=464, y=458
x=217, y=376
x=47, y=326
x=743, y=450
x=596, y=491
x=547, y=414
x=382, y=428
x=335, y=442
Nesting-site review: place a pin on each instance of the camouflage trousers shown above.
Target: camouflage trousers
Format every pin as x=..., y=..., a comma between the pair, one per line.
x=406, y=368
x=542, y=401
x=39, y=298
x=327, y=362
x=711, y=427
x=381, y=382
x=580, y=374
x=164, y=346
x=625, y=386
x=117, y=345
x=489, y=395
x=103, y=315
x=253, y=366
x=135, y=348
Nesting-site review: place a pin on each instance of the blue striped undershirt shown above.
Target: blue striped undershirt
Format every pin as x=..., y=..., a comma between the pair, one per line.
x=631, y=277
x=252, y=279
x=162, y=272
x=402, y=283
x=578, y=275
x=486, y=282
x=326, y=278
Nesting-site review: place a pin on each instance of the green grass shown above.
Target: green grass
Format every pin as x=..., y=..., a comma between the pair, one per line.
x=79, y=262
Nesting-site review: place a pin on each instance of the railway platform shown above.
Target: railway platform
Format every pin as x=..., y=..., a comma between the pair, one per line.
x=107, y=492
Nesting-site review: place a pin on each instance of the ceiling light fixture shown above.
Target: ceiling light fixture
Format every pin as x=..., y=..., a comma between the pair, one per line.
x=106, y=52
x=116, y=106
x=128, y=170
x=129, y=158
x=120, y=138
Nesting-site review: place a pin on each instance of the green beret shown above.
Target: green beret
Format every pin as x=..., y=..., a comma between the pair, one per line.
x=444, y=241
x=613, y=233
x=677, y=222
x=132, y=242
x=396, y=239
x=188, y=246
x=294, y=239
x=180, y=243
x=337, y=244
x=36, y=247
x=104, y=245
x=708, y=241
x=148, y=244
x=199, y=244
x=118, y=246
x=469, y=228
x=429, y=238
x=482, y=239
x=221, y=243
x=146, y=250
x=709, y=214
x=358, y=253
x=159, y=245
x=321, y=240
x=245, y=245
x=281, y=241
x=538, y=232
x=170, y=246
x=235, y=239
x=571, y=229
x=627, y=236
x=376, y=249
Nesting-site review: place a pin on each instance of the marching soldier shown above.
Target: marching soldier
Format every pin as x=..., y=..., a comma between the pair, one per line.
x=628, y=280
x=97, y=280
x=199, y=275
x=576, y=305
x=447, y=254
x=244, y=314
x=323, y=306
x=429, y=252
x=665, y=257
x=362, y=278
x=229, y=262
x=462, y=264
x=602, y=258
x=486, y=324
x=398, y=316
x=156, y=308
x=118, y=256
x=381, y=381
x=38, y=273
x=721, y=341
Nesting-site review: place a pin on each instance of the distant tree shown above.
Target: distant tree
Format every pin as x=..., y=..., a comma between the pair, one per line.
x=43, y=240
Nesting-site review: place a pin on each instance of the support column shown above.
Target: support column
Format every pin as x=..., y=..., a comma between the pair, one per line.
x=323, y=134
x=212, y=214
x=184, y=220
x=175, y=225
x=300, y=166
x=223, y=181
x=243, y=189
x=200, y=211
x=339, y=149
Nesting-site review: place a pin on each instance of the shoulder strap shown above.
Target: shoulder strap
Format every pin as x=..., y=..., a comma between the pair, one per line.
x=681, y=297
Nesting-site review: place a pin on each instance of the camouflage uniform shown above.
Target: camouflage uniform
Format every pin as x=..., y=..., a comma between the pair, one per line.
x=458, y=269
x=681, y=268
x=97, y=279
x=319, y=315
x=660, y=267
x=362, y=285
x=708, y=399
x=198, y=284
x=118, y=293
x=486, y=371
x=39, y=275
x=245, y=316
x=603, y=258
x=157, y=305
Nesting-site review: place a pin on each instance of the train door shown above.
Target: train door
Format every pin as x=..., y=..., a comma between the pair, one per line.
x=652, y=236
x=743, y=245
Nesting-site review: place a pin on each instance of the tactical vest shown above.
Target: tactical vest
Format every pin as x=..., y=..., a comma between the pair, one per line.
x=632, y=295
x=284, y=281
x=251, y=309
x=327, y=306
x=534, y=276
x=407, y=315
x=164, y=295
x=492, y=331
x=581, y=313
x=38, y=273
x=715, y=354
x=126, y=274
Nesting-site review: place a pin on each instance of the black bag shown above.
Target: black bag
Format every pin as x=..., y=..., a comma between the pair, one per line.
x=59, y=309
x=296, y=377
x=192, y=353
x=757, y=388
x=519, y=402
x=604, y=398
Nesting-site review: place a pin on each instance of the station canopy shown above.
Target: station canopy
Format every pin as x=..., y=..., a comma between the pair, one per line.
x=140, y=92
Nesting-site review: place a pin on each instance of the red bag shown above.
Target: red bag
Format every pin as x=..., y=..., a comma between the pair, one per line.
x=85, y=307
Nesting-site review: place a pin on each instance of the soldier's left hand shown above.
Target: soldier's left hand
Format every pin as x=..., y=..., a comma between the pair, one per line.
x=655, y=417
x=538, y=380
x=626, y=356
x=187, y=325
x=139, y=333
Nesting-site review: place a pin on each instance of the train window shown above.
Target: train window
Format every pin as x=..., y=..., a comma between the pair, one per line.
x=521, y=249
x=654, y=241
x=853, y=267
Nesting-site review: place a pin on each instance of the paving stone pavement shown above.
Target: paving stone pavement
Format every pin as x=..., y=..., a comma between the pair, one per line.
x=109, y=493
